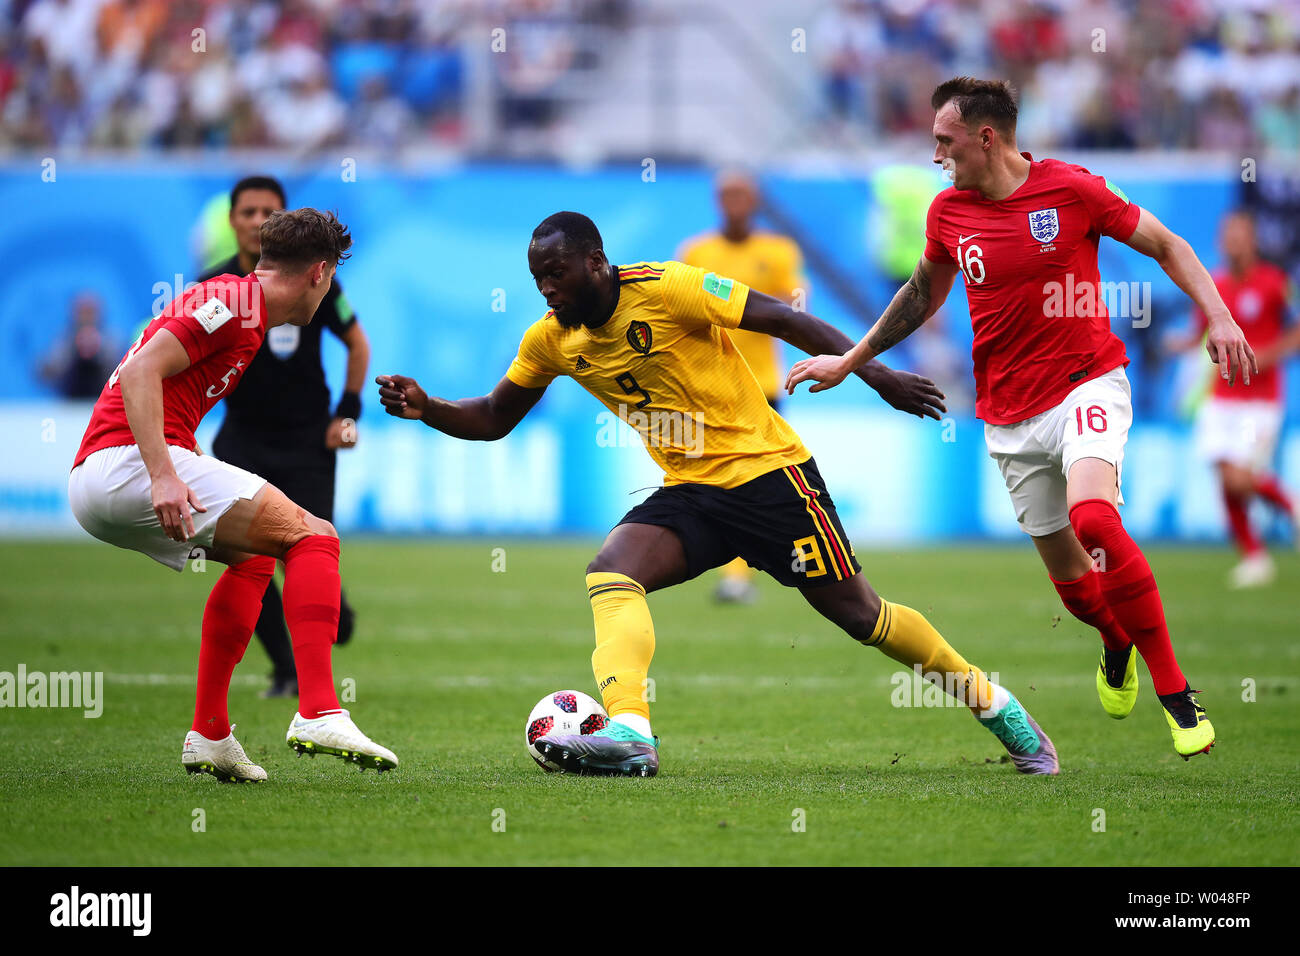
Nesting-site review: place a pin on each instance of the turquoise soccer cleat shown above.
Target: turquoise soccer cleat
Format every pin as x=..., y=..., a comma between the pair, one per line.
x=1031, y=750
x=615, y=751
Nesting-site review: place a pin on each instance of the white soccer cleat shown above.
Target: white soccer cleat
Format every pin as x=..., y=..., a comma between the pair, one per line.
x=335, y=734
x=224, y=759
x=1254, y=571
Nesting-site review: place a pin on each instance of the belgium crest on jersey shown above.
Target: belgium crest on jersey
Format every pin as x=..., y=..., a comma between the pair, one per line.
x=638, y=336
x=1044, y=225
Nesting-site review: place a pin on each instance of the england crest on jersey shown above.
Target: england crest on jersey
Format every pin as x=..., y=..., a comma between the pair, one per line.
x=1044, y=225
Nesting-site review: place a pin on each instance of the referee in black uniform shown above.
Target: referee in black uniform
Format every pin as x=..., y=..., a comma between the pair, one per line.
x=278, y=422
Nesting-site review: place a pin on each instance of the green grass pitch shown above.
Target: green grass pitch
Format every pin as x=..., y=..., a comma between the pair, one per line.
x=764, y=711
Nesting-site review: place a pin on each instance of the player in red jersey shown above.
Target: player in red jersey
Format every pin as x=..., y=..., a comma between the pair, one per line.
x=140, y=482
x=1237, y=428
x=1049, y=373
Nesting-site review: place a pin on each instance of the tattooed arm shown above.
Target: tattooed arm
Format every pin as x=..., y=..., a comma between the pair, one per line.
x=915, y=302
x=904, y=391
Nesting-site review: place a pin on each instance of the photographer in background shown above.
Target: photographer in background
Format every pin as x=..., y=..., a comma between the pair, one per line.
x=79, y=365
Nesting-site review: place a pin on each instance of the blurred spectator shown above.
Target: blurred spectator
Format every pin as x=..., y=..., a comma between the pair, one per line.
x=1168, y=120
x=307, y=116
x=244, y=126
x=65, y=30
x=1025, y=34
x=1223, y=123
x=1278, y=123
x=1118, y=74
x=1101, y=128
x=849, y=41
x=1099, y=74
x=80, y=364
x=539, y=50
x=67, y=116
x=185, y=74
x=379, y=119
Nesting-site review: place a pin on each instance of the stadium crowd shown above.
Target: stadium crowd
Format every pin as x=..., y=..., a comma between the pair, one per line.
x=299, y=74
x=304, y=74
x=1093, y=74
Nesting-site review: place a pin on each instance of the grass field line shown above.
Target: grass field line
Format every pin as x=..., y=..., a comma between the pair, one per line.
x=765, y=710
x=760, y=681
x=156, y=680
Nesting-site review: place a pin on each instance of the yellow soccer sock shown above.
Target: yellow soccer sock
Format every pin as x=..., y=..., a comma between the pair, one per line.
x=737, y=569
x=907, y=637
x=625, y=642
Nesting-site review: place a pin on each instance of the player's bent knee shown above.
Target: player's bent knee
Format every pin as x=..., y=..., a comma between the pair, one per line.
x=321, y=526
x=853, y=606
x=603, y=564
x=1092, y=519
x=1237, y=482
x=860, y=622
x=312, y=527
x=278, y=523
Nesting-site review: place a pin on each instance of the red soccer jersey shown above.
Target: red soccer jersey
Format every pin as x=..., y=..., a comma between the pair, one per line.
x=1030, y=264
x=221, y=323
x=1258, y=302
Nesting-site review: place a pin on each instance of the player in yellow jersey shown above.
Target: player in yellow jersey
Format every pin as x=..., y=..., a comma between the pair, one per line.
x=767, y=263
x=764, y=261
x=648, y=341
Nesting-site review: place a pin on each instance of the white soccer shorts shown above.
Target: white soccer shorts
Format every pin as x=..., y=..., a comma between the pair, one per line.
x=1036, y=455
x=1242, y=433
x=110, y=496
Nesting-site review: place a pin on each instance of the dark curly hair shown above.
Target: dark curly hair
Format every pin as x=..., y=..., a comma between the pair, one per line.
x=980, y=101
x=299, y=237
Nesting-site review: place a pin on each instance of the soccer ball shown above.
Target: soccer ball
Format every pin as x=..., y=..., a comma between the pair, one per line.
x=564, y=712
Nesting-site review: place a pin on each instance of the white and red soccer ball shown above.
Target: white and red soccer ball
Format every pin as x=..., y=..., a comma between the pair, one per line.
x=564, y=712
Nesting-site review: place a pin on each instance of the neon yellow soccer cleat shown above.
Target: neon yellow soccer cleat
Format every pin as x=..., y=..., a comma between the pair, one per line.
x=1117, y=682
x=1192, y=730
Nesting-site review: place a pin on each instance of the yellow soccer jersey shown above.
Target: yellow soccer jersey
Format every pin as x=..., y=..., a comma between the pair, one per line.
x=764, y=261
x=664, y=364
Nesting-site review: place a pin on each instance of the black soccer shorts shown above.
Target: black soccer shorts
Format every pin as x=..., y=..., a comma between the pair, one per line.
x=295, y=461
x=783, y=522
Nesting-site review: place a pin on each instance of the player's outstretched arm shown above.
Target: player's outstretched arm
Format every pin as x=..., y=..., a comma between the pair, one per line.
x=140, y=378
x=485, y=418
x=918, y=299
x=902, y=390
x=1224, y=340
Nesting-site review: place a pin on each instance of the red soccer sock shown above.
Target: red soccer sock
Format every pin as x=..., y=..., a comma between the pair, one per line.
x=1271, y=490
x=228, y=620
x=1239, y=523
x=1130, y=589
x=1082, y=597
x=311, y=609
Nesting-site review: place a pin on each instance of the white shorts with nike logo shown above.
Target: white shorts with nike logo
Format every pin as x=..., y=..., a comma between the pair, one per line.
x=1036, y=455
x=110, y=493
